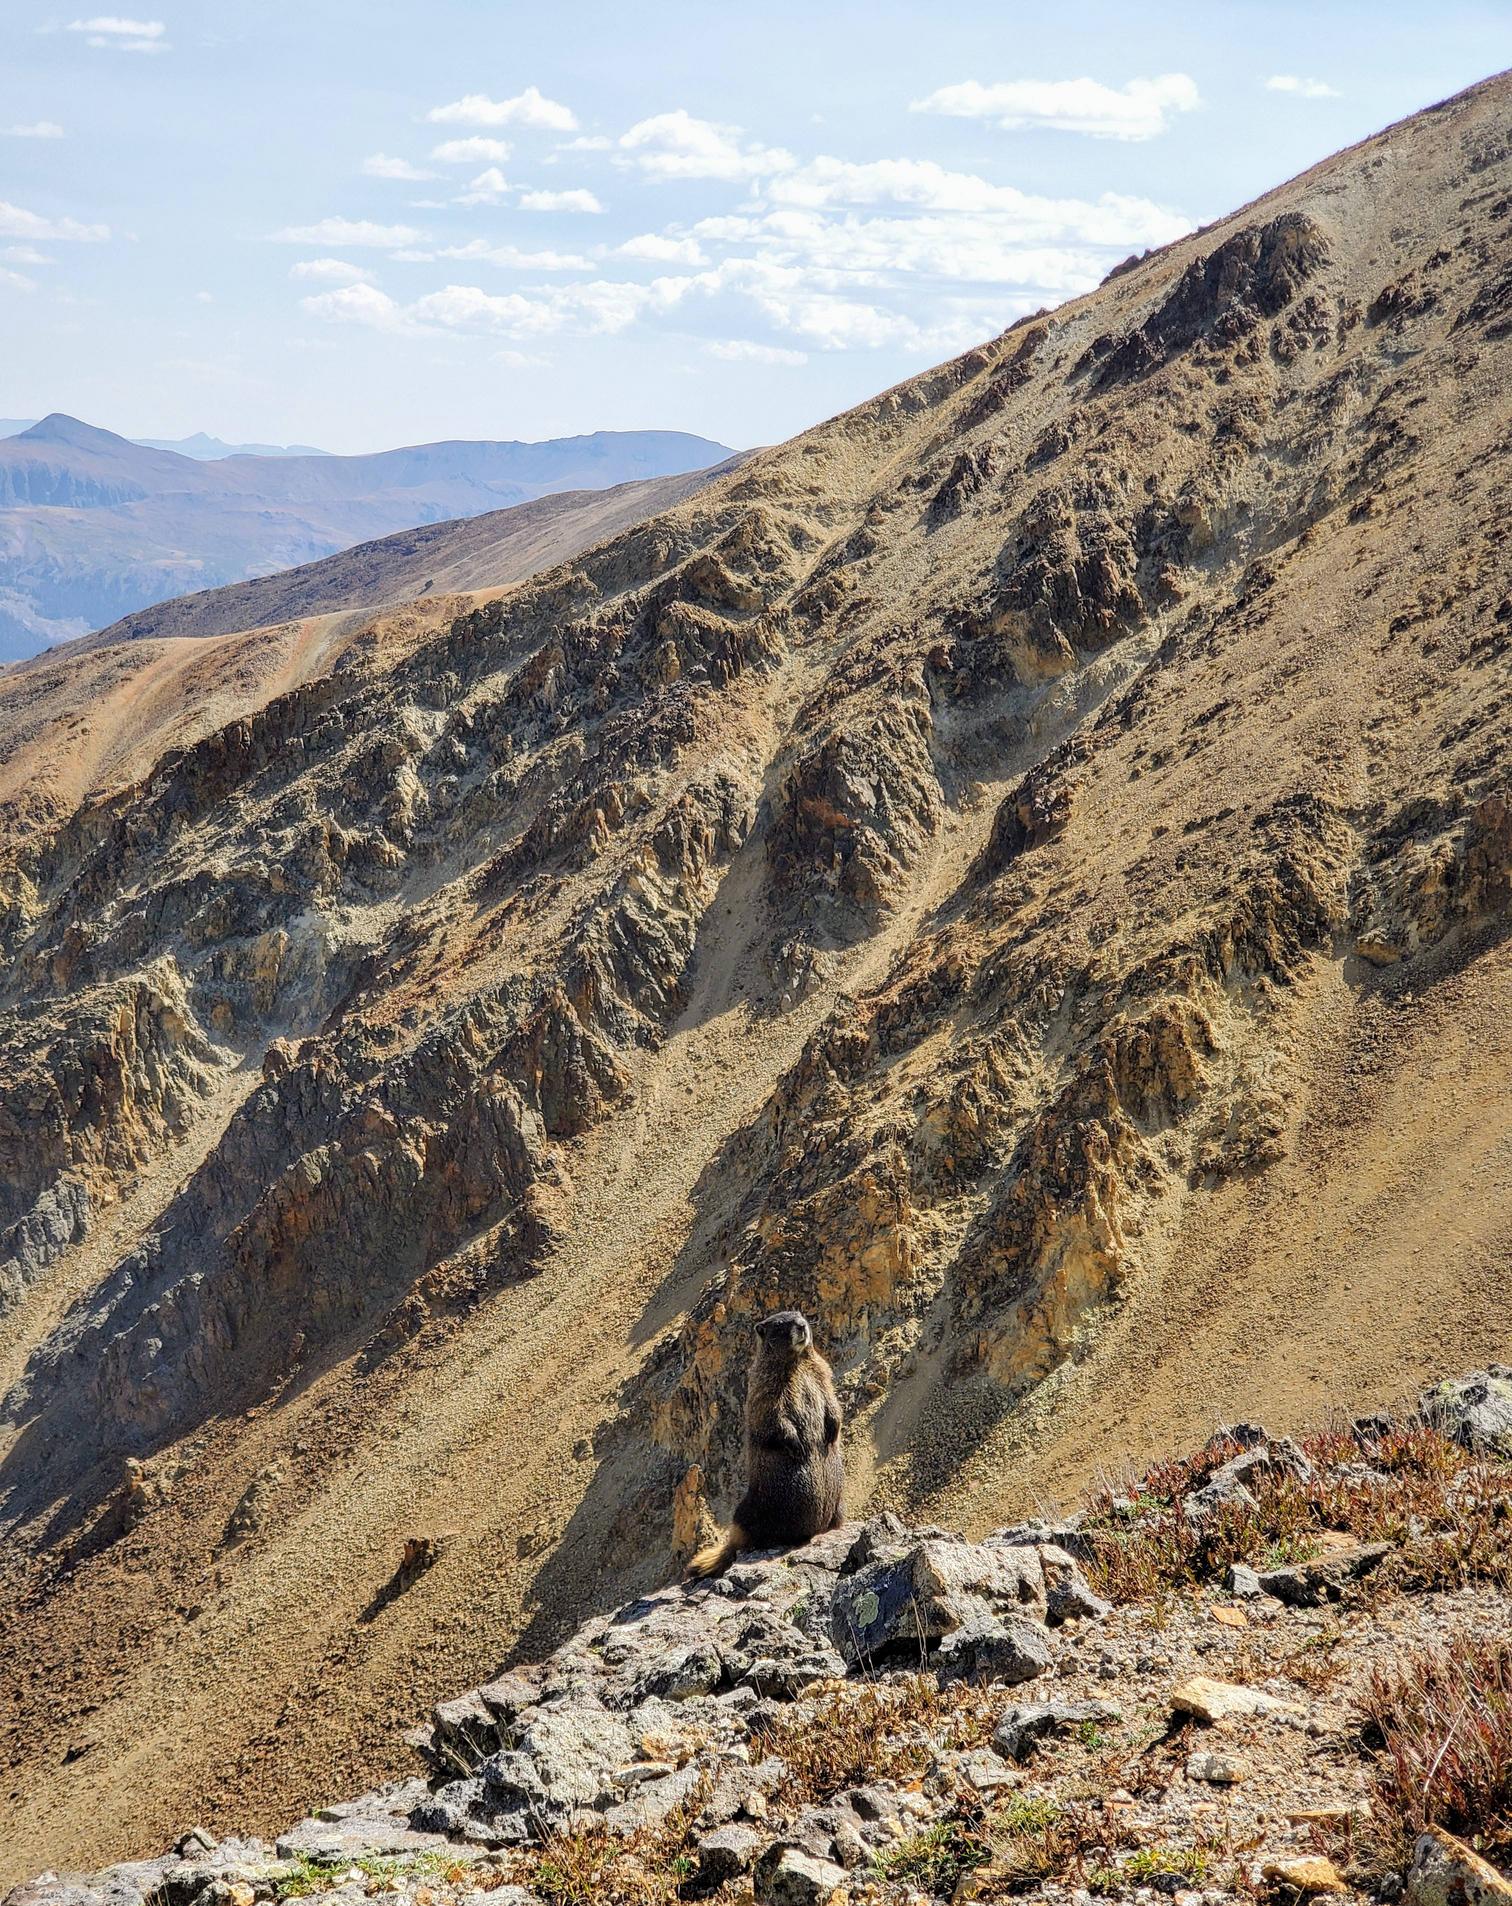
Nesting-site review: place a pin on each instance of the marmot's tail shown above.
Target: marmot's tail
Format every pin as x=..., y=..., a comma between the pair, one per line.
x=718, y=1556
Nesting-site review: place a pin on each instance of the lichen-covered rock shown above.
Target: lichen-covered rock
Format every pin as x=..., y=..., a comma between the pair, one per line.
x=1476, y=1410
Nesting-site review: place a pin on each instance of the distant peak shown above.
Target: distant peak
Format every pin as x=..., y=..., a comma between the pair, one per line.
x=58, y=427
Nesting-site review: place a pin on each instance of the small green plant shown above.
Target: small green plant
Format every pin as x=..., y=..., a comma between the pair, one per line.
x=1147, y=1864
x=934, y=1860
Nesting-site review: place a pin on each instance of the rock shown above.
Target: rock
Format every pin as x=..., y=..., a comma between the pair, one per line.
x=362, y=1836
x=906, y=1602
x=1011, y=1650
x=1241, y=1579
x=1446, y=1872
x=1306, y=1873
x=1218, y=1770
x=724, y=1855
x=1068, y=1595
x=1232, y=1483
x=1476, y=1410
x=1324, y=1579
x=196, y=1841
x=1210, y=1701
x=1024, y=1725
x=787, y=1876
x=563, y=1767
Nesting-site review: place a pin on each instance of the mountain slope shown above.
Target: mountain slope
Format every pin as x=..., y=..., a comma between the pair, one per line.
x=475, y=552
x=98, y=712
x=1021, y=871
x=93, y=526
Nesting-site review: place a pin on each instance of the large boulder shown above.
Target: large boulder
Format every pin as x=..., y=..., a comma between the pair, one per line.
x=1476, y=1410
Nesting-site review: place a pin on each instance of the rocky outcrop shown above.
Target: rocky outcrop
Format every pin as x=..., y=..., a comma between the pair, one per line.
x=848, y=1720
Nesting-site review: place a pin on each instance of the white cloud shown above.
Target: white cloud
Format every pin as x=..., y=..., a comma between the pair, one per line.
x=39, y=129
x=675, y=145
x=1137, y=110
x=587, y=142
x=204, y=297
x=519, y=360
x=1302, y=88
x=511, y=258
x=25, y=255
x=743, y=351
x=126, y=36
x=530, y=108
x=358, y=304
x=347, y=231
x=379, y=165
x=661, y=249
x=17, y=280
x=1114, y=218
x=330, y=271
x=15, y=222
x=486, y=189
x=577, y=199
x=471, y=151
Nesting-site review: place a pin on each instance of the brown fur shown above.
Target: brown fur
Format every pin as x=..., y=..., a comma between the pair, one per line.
x=795, y=1479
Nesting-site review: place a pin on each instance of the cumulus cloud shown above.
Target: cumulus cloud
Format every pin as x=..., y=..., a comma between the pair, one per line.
x=126, y=36
x=1138, y=110
x=1113, y=218
x=16, y=222
x=471, y=151
x=675, y=145
x=530, y=108
x=379, y=165
x=330, y=271
x=662, y=249
x=511, y=258
x=348, y=231
x=17, y=280
x=577, y=199
x=38, y=129
x=744, y=351
x=358, y=304
x=486, y=189
x=1302, y=88
x=25, y=255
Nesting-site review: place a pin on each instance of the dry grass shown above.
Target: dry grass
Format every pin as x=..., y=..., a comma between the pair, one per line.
x=1439, y=1721
x=850, y=1733
x=1448, y=1514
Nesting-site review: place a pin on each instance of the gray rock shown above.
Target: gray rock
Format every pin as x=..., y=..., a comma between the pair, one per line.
x=1025, y=1724
x=1446, y=1872
x=1241, y=1579
x=788, y=1876
x=358, y=1837
x=1068, y=1595
x=563, y=1768
x=1311, y=1584
x=725, y=1854
x=1009, y=1650
x=651, y=1802
x=1476, y=1410
x=905, y=1605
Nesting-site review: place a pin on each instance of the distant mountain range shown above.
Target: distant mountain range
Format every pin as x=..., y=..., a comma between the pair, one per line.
x=200, y=446
x=94, y=526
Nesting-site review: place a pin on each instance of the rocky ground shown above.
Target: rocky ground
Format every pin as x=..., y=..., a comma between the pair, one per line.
x=1279, y=1669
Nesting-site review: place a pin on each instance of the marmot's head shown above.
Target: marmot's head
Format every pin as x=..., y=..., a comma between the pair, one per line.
x=785, y=1333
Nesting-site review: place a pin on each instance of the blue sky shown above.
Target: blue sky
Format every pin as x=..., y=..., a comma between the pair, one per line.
x=361, y=225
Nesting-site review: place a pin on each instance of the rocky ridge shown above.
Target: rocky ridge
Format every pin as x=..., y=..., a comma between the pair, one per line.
x=895, y=1713
x=1020, y=872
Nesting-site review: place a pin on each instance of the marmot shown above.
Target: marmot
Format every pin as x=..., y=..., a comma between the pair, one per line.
x=795, y=1479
